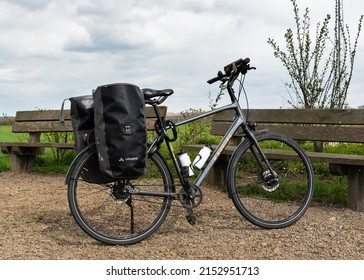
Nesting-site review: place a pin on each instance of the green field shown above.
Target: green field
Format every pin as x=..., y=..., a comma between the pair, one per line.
x=7, y=136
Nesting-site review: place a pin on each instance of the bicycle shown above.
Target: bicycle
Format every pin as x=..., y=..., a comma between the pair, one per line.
x=268, y=190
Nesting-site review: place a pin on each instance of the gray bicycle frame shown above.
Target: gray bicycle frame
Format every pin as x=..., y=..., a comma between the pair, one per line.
x=238, y=121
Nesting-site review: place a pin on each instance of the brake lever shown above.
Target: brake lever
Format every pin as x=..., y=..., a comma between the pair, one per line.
x=246, y=68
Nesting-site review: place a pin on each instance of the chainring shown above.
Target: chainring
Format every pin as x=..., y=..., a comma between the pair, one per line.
x=192, y=201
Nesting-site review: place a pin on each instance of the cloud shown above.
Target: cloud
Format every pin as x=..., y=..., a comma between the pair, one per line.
x=52, y=49
x=31, y=5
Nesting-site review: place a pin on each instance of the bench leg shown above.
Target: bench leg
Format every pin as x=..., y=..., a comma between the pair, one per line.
x=20, y=163
x=217, y=173
x=356, y=188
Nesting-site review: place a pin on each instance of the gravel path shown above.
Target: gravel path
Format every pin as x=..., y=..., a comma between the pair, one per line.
x=36, y=224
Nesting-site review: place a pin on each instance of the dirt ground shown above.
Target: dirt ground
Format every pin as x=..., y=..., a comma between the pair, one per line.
x=35, y=223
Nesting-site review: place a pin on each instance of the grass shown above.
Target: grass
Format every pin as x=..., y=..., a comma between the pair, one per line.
x=4, y=162
x=330, y=190
x=47, y=164
x=6, y=135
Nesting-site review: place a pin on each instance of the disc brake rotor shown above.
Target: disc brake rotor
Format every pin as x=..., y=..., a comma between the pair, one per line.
x=119, y=193
x=270, y=182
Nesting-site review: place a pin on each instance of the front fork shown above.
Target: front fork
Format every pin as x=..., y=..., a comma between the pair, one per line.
x=260, y=156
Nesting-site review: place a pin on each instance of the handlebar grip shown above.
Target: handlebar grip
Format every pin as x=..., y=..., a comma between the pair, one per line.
x=220, y=75
x=213, y=80
x=246, y=60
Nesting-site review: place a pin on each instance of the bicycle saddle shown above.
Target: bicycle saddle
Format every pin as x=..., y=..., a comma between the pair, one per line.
x=150, y=93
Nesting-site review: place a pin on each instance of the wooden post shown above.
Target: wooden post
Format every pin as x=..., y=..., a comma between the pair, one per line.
x=34, y=137
x=217, y=173
x=356, y=188
x=19, y=163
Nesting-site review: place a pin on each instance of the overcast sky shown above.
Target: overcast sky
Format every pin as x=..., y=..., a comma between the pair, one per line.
x=54, y=49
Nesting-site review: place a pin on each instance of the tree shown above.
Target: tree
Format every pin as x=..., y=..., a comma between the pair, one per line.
x=320, y=78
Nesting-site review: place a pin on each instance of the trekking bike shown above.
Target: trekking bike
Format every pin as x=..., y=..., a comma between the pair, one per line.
x=271, y=190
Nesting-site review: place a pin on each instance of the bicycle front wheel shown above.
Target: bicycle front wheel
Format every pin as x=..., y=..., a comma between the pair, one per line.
x=275, y=196
x=113, y=212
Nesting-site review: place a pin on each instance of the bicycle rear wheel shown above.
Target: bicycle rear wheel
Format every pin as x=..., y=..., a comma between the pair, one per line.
x=112, y=213
x=261, y=199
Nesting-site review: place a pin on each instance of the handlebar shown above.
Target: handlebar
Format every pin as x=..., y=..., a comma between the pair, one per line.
x=238, y=66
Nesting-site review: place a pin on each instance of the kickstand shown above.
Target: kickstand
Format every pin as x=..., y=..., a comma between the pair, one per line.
x=130, y=204
x=191, y=218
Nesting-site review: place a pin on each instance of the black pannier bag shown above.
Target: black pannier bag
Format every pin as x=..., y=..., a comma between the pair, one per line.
x=120, y=130
x=82, y=119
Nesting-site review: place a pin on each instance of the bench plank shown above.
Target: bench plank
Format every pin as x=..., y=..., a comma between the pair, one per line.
x=41, y=115
x=20, y=150
x=343, y=159
x=304, y=132
x=6, y=145
x=41, y=126
x=299, y=116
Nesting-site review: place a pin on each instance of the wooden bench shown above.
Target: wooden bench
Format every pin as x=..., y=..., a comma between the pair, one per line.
x=37, y=122
x=34, y=123
x=326, y=125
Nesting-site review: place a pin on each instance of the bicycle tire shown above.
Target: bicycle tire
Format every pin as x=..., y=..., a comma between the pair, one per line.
x=263, y=202
x=111, y=216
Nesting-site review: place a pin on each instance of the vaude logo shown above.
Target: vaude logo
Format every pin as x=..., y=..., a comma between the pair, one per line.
x=128, y=159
